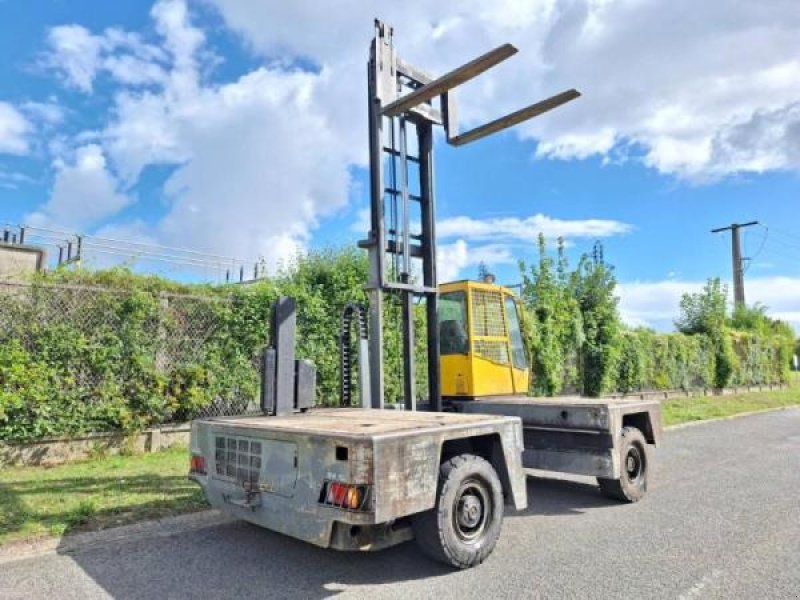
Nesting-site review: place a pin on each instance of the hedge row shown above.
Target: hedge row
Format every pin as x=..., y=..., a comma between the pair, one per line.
x=103, y=351
x=653, y=361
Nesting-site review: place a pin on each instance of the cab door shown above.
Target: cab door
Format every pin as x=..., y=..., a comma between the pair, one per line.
x=520, y=370
x=491, y=357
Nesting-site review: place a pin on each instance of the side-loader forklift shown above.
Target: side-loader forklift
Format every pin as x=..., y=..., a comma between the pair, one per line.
x=363, y=476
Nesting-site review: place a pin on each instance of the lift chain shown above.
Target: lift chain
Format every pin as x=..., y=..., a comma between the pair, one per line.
x=346, y=347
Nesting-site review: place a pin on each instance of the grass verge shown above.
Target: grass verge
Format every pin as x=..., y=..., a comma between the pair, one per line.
x=94, y=494
x=700, y=408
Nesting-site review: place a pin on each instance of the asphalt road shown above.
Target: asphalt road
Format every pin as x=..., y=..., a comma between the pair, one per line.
x=721, y=521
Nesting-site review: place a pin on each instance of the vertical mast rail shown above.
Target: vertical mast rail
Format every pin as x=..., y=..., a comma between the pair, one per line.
x=427, y=101
x=381, y=53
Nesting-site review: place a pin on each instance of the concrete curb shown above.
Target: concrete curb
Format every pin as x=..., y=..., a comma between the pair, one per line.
x=167, y=526
x=729, y=417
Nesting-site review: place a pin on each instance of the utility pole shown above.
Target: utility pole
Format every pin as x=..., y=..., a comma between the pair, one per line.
x=738, y=260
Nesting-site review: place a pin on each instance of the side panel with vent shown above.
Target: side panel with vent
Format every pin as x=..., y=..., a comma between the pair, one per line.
x=259, y=464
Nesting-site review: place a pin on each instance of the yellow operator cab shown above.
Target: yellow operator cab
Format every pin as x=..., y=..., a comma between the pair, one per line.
x=480, y=341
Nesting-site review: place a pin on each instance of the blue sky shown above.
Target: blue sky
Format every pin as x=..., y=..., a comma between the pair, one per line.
x=237, y=128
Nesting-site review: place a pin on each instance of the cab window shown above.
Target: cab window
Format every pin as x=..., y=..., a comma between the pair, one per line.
x=453, y=338
x=518, y=354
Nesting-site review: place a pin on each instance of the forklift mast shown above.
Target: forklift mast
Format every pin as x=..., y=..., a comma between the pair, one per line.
x=405, y=103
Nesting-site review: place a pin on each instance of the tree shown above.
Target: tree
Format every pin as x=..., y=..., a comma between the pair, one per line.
x=594, y=288
x=706, y=313
x=752, y=318
x=553, y=321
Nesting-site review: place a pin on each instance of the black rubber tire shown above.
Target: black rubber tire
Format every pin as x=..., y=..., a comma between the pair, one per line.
x=632, y=485
x=463, y=480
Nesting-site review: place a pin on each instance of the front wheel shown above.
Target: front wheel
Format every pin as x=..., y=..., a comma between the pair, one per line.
x=634, y=469
x=464, y=526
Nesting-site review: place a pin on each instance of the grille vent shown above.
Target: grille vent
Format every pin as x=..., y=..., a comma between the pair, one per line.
x=489, y=326
x=237, y=458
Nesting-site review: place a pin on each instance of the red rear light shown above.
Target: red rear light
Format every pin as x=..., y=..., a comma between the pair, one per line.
x=336, y=493
x=198, y=464
x=344, y=495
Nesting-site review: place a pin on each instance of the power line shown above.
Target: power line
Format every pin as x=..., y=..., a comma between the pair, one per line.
x=90, y=245
x=132, y=243
x=787, y=243
x=793, y=257
x=111, y=249
x=750, y=259
x=786, y=233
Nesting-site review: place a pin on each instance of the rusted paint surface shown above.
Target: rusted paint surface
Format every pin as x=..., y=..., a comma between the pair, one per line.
x=397, y=454
x=357, y=422
x=563, y=421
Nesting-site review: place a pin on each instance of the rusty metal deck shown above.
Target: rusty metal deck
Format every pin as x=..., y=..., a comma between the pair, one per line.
x=361, y=422
x=574, y=401
x=572, y=434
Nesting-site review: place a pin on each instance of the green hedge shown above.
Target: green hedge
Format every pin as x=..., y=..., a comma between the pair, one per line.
x=113, y=351
x=76, y=360
x=110, y=350
x=653, y=361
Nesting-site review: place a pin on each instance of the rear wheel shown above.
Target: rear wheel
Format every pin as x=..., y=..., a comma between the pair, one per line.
x=634, y=469
x=464, y=526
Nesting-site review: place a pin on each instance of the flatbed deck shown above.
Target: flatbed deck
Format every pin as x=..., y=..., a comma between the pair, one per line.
x=274, y=470
x=549, y=400
x=361, y=423
x=572, y=434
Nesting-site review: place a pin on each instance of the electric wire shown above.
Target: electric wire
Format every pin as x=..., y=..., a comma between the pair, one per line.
x=130, y=250
x=750, y=259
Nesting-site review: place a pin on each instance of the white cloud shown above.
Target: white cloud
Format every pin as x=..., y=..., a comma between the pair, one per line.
x=362, y=224
x=528, y=229
x=76, y=52
x=47, y=113
x=769, y=139
x=653, y=304
x=656, y=304
x=84, y=192
x=14, y=130
x=259, y=160
x=669, y=83
x=453, y=259
x=79, y=55
x=491, y=240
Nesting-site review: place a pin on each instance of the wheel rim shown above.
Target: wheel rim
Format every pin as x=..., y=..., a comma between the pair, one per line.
x=471, y=510
x=634, y=464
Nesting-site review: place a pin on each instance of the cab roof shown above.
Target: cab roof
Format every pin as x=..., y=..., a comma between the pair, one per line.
x=465, y=284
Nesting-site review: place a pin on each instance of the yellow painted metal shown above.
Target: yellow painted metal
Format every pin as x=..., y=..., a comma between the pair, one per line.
x=488, y=369
x=456, y=375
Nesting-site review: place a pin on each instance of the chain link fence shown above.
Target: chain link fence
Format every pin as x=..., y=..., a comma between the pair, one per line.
x=121, y=359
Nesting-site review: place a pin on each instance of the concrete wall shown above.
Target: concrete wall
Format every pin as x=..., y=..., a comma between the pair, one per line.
x=17, y=261
x=56, y=451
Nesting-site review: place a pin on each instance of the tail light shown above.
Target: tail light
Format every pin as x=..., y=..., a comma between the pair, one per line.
x=197, y=464
x=345, y=495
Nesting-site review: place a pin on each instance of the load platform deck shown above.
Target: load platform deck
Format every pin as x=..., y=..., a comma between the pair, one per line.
x=362, y=423
x=572, y=434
